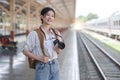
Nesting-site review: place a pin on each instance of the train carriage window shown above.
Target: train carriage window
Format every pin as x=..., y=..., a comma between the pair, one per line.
x=114, y=23
x=119, y=22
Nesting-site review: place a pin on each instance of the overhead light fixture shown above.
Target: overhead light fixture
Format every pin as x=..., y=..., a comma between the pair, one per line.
x=41, y=1
x=4, y=1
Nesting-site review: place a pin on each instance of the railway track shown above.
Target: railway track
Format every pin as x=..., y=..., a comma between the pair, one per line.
x=88, y=70
x=106, y=67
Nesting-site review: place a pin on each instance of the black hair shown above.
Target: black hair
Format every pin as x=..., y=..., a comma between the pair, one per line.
x=45, y=10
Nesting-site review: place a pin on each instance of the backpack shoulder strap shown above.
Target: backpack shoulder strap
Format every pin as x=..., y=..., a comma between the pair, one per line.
x=41, y=37
x=56, y=32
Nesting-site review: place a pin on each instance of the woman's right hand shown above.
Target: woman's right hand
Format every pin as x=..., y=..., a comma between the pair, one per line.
x=45, y=59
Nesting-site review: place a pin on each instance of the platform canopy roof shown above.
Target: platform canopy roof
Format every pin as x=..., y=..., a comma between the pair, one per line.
x=65, y=9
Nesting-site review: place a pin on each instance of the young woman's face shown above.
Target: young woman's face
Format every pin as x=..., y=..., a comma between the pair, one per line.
x=48, y=18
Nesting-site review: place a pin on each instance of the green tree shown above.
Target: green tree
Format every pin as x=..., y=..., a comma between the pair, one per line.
x=82, y=18
x=90, y=16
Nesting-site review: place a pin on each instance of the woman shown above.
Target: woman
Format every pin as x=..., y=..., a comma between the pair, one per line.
x=47, y=67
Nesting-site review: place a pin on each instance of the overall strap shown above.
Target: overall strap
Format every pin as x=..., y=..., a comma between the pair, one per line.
x=41, y=39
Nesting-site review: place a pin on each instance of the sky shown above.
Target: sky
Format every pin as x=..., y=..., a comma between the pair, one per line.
x=103, y=8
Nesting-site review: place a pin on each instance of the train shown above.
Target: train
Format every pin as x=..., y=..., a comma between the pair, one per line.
x=109, y=26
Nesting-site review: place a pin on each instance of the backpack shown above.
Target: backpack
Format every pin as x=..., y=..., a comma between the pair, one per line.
x=40, y=33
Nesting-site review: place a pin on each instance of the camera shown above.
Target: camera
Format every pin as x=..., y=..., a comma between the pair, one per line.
x=61, y=45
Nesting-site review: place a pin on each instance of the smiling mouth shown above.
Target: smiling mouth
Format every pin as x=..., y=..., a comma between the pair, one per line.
x=49, y=20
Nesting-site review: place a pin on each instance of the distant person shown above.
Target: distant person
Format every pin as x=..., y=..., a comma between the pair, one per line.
x=47, y=67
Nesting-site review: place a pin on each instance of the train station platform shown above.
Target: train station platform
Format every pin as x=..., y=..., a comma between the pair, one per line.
x=113, y=43
x=15, y=67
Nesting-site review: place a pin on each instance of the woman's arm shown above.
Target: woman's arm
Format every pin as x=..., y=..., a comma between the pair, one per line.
x=44, y=59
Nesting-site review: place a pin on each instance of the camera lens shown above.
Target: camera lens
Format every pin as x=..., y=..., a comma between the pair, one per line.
x=61, y=45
